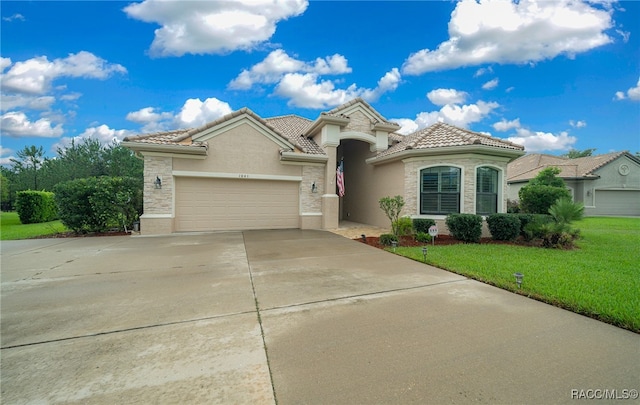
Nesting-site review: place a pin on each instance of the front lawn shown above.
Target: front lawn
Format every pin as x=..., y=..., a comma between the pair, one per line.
x=600, y=279
x=11, y=228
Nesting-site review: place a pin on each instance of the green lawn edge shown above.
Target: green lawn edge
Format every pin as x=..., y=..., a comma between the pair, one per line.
x=599, y=279
x=12, y=229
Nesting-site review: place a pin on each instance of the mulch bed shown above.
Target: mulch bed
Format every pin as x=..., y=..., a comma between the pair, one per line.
x=442, y=240
x=72, y=234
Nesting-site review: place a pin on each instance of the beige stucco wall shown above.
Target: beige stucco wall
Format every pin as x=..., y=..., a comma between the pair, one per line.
x=242, y=150
x=366, y=184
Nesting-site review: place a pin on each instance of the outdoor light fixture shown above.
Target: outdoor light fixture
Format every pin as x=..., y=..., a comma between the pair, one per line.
x=364, y=238
x=424, y=254
x=394, y=244
x=518, y=277
x=158, y=182
x=314, y=188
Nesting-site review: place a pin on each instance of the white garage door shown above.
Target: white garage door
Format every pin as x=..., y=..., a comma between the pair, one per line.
x=230, y=204
x=617, y=202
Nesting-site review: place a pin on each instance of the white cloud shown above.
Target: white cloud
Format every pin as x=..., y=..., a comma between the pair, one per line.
x=483, y=71
x=12, y=101
x=147, y=115
x=17, y=124
x=203, y=27
x=15, y=17
x=578, y=124
x=308, y=91
x=446, y=96
x=536, y=141
x=4, y=63
x=633, y=93
x=501, y=31
x=195, y=113
x=504, y=125
x=70, y=96
x=491, y=84
x=509, y=89
x=454, y=114
x=6, y=155
x=34, y=76
x=102, y=133
x=273, y=68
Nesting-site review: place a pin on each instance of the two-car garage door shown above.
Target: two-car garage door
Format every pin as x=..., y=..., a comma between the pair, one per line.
x=617, y=202
x=204, y=204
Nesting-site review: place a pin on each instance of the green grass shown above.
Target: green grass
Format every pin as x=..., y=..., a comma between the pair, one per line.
x=600, y=279
x=11, y=228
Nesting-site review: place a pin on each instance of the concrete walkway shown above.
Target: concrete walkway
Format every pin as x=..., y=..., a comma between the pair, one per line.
x=287, y=317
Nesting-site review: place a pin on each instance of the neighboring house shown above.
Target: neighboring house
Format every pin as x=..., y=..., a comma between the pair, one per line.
x=246, y=172
x=606, y=184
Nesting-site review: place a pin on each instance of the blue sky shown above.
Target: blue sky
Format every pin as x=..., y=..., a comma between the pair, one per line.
x=551, y=75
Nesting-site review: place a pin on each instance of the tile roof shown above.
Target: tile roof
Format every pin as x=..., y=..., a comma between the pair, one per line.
x=527, y=167
x=166, y=138
x=441, y=135
x=337, y=111
x=292, y=127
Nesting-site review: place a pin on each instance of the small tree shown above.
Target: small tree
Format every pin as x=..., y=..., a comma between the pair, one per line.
x=576, y=153
x=392, y=208
x=548, y=177
x=543, y=191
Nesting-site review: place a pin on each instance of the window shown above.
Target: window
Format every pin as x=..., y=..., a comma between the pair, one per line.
x=440, y=190
x=486, y=191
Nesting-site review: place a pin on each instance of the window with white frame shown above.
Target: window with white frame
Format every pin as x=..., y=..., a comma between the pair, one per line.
x=486, y=191
x=440, y=190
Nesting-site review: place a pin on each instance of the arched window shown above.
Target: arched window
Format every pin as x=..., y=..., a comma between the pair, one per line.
x=486, y=191
x=440, y=190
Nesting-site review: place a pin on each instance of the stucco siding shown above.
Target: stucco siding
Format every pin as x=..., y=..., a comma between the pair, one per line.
x=242, y=150
x=366, y=184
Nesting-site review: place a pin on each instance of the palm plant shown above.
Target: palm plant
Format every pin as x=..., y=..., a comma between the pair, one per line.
x=565, y=211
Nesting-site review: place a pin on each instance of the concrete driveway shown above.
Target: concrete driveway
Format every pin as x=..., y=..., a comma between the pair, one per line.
x=289, y=316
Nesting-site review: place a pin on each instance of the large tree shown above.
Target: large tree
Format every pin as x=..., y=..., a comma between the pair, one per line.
x=576, y=153
x=29, y=160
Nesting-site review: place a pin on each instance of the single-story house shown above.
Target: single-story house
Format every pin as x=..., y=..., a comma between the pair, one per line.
x=243, y=171
x=607, y=184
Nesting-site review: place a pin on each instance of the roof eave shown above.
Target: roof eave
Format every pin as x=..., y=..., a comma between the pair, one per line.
x=324, y=119
x=446, y=150
x=176, y=149
x=302, y=157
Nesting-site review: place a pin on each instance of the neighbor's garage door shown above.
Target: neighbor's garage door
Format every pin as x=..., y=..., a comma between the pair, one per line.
x=229, y=204
x=617, y=202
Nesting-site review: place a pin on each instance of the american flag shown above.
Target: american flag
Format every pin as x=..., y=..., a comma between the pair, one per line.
x=340, y=179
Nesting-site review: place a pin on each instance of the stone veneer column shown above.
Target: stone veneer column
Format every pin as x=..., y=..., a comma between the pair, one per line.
x=157, y=217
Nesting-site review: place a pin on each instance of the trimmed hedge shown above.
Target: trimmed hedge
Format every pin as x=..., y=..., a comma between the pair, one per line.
x=36, y=206
x=504, y=226
x=98, y=204
x=423, y=224
x=387, y=238
x=465, y=227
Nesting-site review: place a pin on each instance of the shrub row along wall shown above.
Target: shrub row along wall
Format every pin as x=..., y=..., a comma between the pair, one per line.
x=98, y=204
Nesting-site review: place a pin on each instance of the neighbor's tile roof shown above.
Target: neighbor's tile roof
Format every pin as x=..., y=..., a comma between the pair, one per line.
x=527, y=167
x=441, y=135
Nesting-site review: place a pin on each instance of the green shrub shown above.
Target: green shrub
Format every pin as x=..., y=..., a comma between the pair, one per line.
x=557, y=235
x=537, y=199
x=503, y=226
x=465, y=227
x=565, y=211
x=36, y=206
x=387, y=238
x=97, y=204
x=392, y=206
x=423, y=224
x=525, y=219
x=423, y=237
x=513, y=206
x=403, y=226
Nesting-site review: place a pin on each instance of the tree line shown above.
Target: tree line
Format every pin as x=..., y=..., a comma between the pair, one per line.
x=88, y=158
